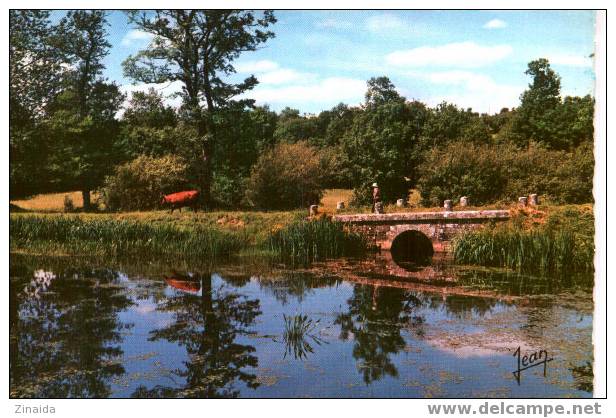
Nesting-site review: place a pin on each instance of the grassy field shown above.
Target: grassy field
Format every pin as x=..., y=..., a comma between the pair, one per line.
x=52, y=202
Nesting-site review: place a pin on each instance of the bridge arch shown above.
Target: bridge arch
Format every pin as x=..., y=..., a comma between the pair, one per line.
x=412, y=246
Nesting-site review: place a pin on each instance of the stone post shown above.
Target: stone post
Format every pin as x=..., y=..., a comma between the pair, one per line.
x=340, y=205
x=448, y=206
x=533, y=199
x=464, y=201
x=314, y=209
x=522, y=201
x=400, y=203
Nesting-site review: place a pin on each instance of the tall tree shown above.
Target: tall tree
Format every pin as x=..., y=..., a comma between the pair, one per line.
x=380, y=91
x=35, y=66
x=82, y=35
x=538, y=103
x=198, y=47
x=35, y=73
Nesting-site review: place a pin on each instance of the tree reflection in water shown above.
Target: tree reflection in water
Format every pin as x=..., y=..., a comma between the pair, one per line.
x=374, y=319
x=207, y=326
x=65, y=335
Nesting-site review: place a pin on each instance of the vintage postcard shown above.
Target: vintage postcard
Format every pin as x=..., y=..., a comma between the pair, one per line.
x=378, y=203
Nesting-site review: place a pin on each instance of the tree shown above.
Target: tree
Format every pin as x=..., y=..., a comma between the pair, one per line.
x=89, y=104
x=83, y=150
x=293, y=127
x=35, y=66
x=35, y=75
x=149, y=127
x=383, y=145
x=197, y=48
x=147, y=109
x=538, y=103
x=448, y=122
x=286, y=177
x=380, y=91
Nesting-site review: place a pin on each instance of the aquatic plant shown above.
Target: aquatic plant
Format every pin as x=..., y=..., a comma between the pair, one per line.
x=542, y=251
x=106, y=236
x=298, y=329
x=305, y=241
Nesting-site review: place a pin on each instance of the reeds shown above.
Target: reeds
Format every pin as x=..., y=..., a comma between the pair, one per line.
x=75, y=235
x=541, y=251
x=298, y=330
x=305, y=241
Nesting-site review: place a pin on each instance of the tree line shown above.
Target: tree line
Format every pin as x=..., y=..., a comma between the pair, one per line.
x=70, y=131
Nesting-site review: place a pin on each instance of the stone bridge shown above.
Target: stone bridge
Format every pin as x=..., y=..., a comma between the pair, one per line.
x=420, y=233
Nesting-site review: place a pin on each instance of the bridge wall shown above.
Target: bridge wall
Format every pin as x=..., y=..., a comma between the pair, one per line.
x=439, y=227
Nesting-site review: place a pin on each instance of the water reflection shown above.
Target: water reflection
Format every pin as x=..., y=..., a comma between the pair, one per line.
x=65, y=334
x=207, y=326
x=374, y=319
x=339, y=329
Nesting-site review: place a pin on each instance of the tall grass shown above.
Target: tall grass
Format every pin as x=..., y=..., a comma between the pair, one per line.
x=305, y=241
x=541, y=250
x=93, y=236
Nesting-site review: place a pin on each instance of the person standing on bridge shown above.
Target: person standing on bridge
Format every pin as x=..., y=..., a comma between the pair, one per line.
x=377, y=205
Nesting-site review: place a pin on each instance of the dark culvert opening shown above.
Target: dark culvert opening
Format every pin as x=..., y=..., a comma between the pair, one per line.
x=412, y=248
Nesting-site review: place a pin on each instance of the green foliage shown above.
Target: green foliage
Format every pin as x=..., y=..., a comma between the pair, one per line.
x=286, y=177
x=559, y=176
x=138, y=184
x=305, y=241
x=381, y=91
x=293, y=127
x=461, y=169
x=82, y=151
x=447, y=123
x=197, y=48
x=35, y=68
x=489, y=173
x=544, y=117
x=383, y=145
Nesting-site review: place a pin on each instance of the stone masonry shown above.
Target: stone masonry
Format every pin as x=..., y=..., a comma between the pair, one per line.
x=439, y=227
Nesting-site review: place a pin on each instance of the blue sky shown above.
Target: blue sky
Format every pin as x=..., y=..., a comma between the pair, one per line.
x=471, y=58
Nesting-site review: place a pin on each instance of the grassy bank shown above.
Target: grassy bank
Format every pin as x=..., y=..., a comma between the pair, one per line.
x=554, y=240
x=285, y=236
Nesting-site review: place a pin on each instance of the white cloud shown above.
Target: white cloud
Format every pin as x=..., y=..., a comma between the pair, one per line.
x=469, y=89
x=330, y=90
x=460, y=54
x=256, y=66
x=495, y=24
x=136, y=36
x=334, y=24
x=283, y=76
x=269, y=72
x=570, y=60
x=384, y=22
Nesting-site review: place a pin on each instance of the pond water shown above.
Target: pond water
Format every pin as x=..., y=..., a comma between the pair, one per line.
x=348, y=328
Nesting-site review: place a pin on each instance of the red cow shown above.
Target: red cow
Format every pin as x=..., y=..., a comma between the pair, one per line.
x=181, y=199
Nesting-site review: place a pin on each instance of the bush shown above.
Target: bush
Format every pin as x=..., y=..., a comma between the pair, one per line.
x=288, y=176
x=138, y=184
x=461, y=169
x=490, y=173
